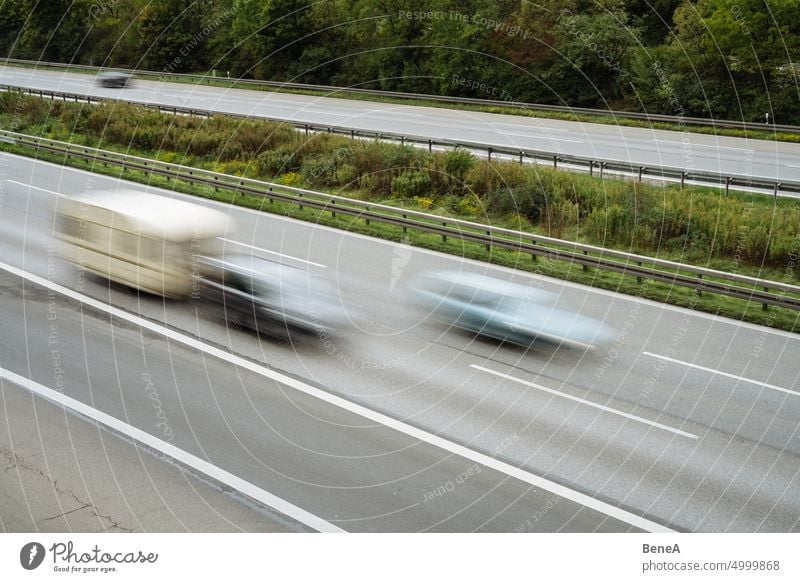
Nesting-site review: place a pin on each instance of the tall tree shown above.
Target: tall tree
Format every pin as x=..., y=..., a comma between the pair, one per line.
x=171, y=35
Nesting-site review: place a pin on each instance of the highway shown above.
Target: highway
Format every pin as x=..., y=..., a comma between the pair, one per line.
x=685, y=422
x=646, y=147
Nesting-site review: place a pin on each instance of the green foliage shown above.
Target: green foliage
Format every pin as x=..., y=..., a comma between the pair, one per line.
x=274, y=162
x=734, y=59
x=412, y=184
x=699, y=224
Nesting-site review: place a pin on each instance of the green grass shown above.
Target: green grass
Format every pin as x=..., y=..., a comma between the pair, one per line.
x=501, y=109
x=738, y=232
x=724, y=306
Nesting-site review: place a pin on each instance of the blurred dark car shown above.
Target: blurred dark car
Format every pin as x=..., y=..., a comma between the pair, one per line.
x=270, y=297
x=503, y=310
x=117, y=79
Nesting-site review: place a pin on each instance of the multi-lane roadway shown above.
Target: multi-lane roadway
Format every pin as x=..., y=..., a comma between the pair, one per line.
x=643, y=147
x=685, y=421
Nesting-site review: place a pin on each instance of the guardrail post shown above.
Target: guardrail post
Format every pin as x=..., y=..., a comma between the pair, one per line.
x=488, y=244
x=641, y=169
x=765, y=306
x=430, y=145
x=405, y=216
x=306, y=126
x=555, y=162
x=366, y=209
x=727, y=184
x=402, y=140
x=585, y=267
x=777, y=187
x=699, y=288
x=490, y=154
x=591, y=168
x=333, y=212
x=444, y=238
x=533, y=255
x=683, y=179
x=300, y=205
x=638, y=278
x=352, y=134
x=521, y=156
x=602, y=167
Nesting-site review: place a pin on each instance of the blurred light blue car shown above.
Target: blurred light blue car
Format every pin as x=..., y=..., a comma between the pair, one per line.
x=504, y=311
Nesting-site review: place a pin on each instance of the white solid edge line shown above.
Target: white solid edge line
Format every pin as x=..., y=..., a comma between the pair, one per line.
x=174, y=452
x=36, y=188
x=540, y=137
x=490, y=266
x=587, y=402
x=389, y=422
x=272, y=252
x=542, y=127
x=721, y=373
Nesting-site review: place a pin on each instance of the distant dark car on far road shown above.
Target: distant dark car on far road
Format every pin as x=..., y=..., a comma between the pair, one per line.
x=118, y=79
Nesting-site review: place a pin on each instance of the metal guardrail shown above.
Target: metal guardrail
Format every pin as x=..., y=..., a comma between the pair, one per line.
x=567, y=161
x=587, y=256
x=650, y=117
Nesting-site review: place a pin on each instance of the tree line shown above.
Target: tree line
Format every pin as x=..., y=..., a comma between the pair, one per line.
x=732, y=59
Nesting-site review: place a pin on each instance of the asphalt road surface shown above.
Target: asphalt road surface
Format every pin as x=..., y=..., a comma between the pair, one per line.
x=687, y=421
x=647, y=147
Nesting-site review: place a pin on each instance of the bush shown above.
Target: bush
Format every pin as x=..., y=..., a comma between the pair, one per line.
x=525, y=199
x=485, y=177
x=458, y=163
x=412, y=184
x=274, y=162
x=318, y=170
x=368, y=160
x=401, y=158
x=198, y=143
x=697, y=222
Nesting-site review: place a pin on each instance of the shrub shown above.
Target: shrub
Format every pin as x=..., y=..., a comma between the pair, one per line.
x=274, y=162
x=198, y=143
x=400, y=157
x=412, y=184
x=695, y=221
x=319, y=169
x=485, y=177
x=345, y=175
x=527, y=199
x=457, y=164
x=247, y=139
x=470, y=205
x=560, y=216
x=290, y=179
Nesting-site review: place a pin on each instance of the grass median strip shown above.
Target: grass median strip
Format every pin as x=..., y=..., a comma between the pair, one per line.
x=746, y=234
x=720, y=305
